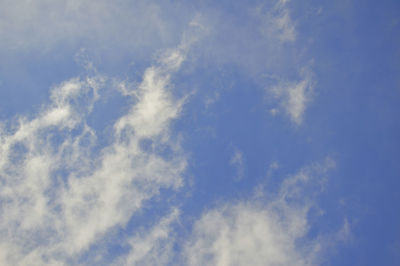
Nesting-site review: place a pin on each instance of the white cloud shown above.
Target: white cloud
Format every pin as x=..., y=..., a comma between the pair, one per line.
x=59, y=196
x=294, y=97
x=62, y=194
x=267, y=231
x=245, y=235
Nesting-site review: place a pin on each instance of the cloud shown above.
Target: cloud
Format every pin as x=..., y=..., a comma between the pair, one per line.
x=66, y=192
x=283, y=22
x=267, y=231
x=153, y=246
x=294, y=97
x=43, y=25
x=116, y=32
x=61, y=193
x=278, y=22
x=263, y=48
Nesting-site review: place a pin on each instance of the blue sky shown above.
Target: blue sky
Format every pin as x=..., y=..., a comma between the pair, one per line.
x=199, y=132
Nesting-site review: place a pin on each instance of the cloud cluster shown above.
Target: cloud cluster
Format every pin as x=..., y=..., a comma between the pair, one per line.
x=136, y=29
x=65, y=193
x=261, y=231
x=60, y=192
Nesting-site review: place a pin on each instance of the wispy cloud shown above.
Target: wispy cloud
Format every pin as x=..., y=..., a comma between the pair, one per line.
x=59, y=195
x=277, y=22
x=153, y=246
x=294, y=97
x=65, y=191
x=267, y=231
x=44, y=25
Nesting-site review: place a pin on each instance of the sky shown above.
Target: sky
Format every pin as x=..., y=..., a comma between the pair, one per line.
x=199, y=132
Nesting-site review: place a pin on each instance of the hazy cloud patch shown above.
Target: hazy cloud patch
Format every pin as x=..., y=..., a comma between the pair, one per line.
x=293, y=98
x=265, y=230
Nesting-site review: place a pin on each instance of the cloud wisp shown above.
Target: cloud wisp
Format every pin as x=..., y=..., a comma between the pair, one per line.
x=264, y=230
x=60, y=194
x=293, y=97
x=44, y=25
x=278, y=22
